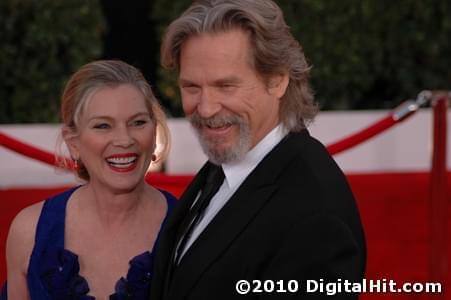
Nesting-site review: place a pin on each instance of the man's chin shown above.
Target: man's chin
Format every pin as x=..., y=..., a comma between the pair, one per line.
x=228, y=150
x=218, y=155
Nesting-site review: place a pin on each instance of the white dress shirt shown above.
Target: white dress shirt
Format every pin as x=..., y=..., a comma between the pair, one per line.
x=235, y=173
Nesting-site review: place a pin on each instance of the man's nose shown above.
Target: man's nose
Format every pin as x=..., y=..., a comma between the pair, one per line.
x=208, y=105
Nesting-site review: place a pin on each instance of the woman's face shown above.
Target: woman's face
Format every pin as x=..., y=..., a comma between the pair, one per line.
x=116, y=138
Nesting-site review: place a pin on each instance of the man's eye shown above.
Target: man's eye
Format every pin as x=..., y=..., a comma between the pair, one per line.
x=190, y=88
x=102, y=126
x=227, y=87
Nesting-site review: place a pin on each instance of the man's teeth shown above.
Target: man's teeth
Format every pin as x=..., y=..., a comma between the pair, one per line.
x=218, y=126
x=122, y=161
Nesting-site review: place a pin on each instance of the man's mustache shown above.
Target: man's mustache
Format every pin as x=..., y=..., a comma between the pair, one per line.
x=217, y=120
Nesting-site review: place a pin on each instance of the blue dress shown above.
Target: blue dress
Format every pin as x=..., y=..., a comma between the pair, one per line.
x=53, y=272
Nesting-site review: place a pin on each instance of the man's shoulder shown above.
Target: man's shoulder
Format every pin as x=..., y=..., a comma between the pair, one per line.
x=304, y=166
x=300, y=149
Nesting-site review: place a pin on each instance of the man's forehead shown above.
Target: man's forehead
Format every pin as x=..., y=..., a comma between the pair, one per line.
x=220, y=50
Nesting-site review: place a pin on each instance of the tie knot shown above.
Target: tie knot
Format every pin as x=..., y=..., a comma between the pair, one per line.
x=215, y=176
x=213, y=181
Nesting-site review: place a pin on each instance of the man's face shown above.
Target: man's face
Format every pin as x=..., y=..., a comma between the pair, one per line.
x=228, y=104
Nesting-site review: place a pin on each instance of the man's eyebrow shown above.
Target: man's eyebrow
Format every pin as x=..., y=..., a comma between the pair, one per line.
x=219, y=81
x=229, y=79
x=184, y=81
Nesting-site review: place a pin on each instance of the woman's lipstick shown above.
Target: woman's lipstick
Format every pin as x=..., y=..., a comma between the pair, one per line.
x=122, y=162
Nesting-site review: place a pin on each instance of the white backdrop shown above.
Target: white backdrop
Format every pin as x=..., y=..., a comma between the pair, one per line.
x=404, y=148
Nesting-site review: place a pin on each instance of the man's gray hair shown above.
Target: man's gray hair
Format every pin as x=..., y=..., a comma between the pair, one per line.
x=274, y=50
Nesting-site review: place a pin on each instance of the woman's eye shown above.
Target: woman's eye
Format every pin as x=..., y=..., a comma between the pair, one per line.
x=139, y=122
x=102, y=126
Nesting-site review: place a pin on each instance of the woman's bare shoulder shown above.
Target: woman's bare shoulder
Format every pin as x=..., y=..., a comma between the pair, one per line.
x=22, y=231
x=19, y=246
x=26, y=220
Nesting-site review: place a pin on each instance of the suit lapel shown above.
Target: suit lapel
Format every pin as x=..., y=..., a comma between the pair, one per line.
x=217, y=236
x=169, y=236
x=234, y=217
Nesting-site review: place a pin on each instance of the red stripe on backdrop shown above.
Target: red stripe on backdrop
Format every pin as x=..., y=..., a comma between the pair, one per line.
x=394, y=209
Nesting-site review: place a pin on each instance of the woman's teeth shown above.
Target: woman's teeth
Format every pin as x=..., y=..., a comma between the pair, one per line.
x=122, y=161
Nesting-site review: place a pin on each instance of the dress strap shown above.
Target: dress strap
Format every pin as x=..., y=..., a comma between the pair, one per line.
x=171, y=201
x=49, y=234
x=50, y=228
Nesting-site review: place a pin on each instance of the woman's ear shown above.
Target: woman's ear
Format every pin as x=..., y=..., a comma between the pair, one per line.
x=278, y=85
x=155, y=141
x=71, y=139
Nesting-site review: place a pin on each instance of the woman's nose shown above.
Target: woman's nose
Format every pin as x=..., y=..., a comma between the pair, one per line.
x=122, y=138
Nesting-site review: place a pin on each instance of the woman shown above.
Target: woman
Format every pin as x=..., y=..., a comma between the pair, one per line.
x=93, y=241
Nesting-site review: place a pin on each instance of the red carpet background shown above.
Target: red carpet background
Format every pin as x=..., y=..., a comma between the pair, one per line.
x=394, y=209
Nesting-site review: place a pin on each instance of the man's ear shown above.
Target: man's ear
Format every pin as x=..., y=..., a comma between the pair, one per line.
x=278, y=85
x=70, y=137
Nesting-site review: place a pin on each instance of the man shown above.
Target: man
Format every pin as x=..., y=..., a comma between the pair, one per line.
x=284, y=214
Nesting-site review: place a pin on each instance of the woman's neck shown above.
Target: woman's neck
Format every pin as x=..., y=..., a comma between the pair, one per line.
x=114, y=208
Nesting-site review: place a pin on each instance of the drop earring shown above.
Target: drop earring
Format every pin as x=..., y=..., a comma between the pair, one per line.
x=75, y=163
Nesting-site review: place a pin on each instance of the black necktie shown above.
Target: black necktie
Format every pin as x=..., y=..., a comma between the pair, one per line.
x=214, y=180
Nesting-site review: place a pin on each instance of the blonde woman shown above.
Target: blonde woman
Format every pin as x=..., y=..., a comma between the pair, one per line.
x=95, y=241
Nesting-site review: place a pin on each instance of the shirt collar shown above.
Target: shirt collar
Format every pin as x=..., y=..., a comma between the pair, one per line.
x=236, y=172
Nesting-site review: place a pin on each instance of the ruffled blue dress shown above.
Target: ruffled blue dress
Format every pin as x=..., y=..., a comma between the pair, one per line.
x=53, y=272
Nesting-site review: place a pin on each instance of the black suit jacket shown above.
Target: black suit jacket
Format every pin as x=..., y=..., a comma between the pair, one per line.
x=293, y=218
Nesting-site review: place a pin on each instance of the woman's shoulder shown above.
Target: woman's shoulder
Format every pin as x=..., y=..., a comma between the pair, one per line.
x=23, y=228
x=25, y=222
x=21, y=235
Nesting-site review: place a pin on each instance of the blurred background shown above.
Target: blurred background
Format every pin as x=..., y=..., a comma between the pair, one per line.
x=367, y=57
x=365, y=54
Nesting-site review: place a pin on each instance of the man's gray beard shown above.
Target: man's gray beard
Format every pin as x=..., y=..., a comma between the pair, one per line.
x=220, y=155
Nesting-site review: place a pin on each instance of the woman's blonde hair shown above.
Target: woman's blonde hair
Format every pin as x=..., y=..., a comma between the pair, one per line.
x=108, y=73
